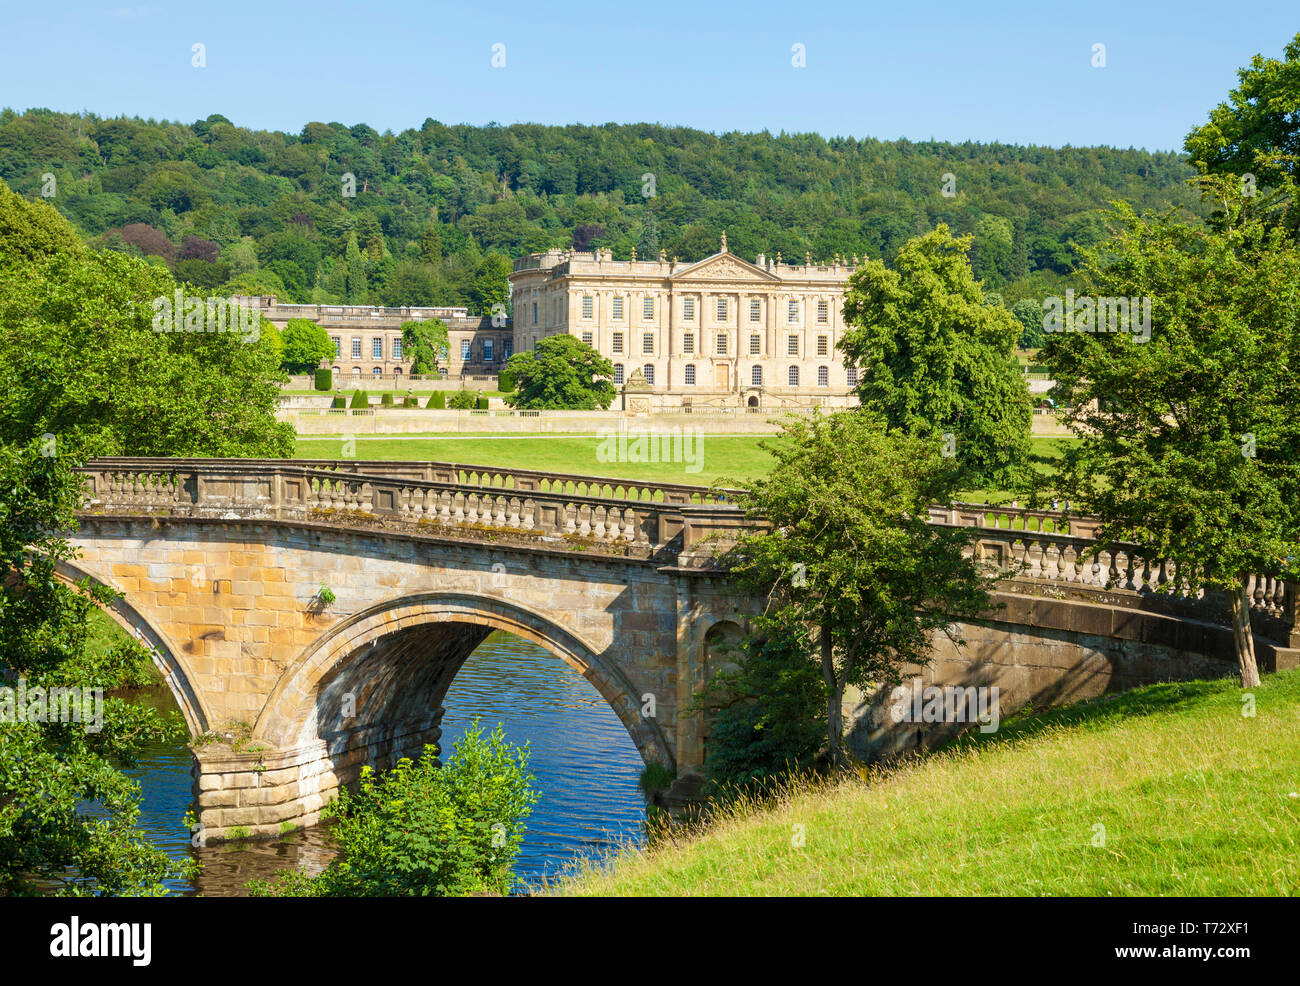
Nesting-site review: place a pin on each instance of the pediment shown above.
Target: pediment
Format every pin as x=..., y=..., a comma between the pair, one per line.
x=723, y=267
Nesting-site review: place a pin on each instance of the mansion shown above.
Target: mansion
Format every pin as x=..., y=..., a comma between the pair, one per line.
x=720, y=332
x=368, y=340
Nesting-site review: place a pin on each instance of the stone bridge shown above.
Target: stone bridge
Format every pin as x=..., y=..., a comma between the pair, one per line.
x=309, y=616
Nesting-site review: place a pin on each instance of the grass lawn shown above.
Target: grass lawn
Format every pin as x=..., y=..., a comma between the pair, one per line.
x=730, y=459
x=1164, y=790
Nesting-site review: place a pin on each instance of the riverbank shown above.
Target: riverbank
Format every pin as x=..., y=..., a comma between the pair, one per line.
x=1164, y=790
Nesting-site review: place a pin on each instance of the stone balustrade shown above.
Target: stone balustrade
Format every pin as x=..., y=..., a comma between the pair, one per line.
x=623, y=516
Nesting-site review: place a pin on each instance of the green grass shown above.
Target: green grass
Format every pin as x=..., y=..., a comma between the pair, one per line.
x=730, y=459
x=1194, y=798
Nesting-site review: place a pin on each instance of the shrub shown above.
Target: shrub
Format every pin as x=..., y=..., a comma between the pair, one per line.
x=386, y=399
x=325, y=378
x=339, y=401
x=438, y=400
x=482, y=403
x=421, y=830
x=410, y=401
x=463, y=400
x=505, y=381
x=360, y=399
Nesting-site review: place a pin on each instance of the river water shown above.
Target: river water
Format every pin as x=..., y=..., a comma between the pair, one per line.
x=585, y=765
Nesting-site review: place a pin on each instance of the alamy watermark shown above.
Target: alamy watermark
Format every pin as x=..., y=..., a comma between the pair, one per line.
x=186, y=313
x=652, y=444
x=1087, y=313
x=951, y=703
x=57, y=704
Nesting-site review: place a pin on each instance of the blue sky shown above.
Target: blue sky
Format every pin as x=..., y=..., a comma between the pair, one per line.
x=1015, y=72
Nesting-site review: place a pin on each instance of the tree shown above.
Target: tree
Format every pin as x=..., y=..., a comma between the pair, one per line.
x=80, y=358
x=936, y=361
x=562, y=372
x=1030, y=316
x=1262, y=118
x=427, y=830
x=305, y=345
x=855, y=579
x=490, y=284
x=68, y=815
x=422, y=341
x=1188, y=444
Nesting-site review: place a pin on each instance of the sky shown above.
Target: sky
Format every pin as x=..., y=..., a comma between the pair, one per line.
x=1012, y=72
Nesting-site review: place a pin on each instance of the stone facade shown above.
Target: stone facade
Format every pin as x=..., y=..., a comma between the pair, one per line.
x=721, y=332
x=368, y=340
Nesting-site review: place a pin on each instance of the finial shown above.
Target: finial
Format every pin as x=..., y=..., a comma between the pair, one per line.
x=663, y=255
x=778, y=258
x=724, y=241
x=634, y=254
x=807, y=258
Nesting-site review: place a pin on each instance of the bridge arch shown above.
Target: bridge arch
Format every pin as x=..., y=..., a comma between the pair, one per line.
x=165, y=653
x=380, y=658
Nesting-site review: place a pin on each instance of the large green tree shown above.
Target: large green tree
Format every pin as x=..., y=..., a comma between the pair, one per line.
x=304, y=345
x=1188, y=445
x=561, y=372
x=423, y=342
x=68, y=815
x=935, y=360
x=854, y=577
x=80, y=357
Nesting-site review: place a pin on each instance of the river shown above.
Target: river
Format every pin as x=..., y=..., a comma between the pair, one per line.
x=585, y=765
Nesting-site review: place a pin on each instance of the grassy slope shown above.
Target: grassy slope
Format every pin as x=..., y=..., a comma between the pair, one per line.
x=1196, y=799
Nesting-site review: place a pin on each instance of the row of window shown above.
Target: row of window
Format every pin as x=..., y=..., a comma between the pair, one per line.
x=720, y=344
x=755, y=375
x=377, y=349
x=721, y=310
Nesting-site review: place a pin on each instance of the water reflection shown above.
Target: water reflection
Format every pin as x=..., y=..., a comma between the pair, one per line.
x=585, y=764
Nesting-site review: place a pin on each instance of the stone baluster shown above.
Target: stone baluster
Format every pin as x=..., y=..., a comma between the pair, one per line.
x=1034, y=552
x=598, y=529
x=458, y=516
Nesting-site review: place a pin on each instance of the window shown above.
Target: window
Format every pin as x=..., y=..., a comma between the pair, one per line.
x=397, y=348
x=722, y=344
x=507, y=348
x=755, y=309
x=618, y=372
x=688, y=310
x=853, y=376
x=688, y=343
x=823, y=377
x=338, y=346
x=617, y=307
x=756, y=376
x=534, y=313
x=792, y=311
x=378, y=371
x=397, y=371
x=648, y=343
x=487, y=350
x=376, y=348
x=647, y=309
x=722, y=309
x=794, y=376
x=755, y=345
x=356, y=370
x=649, y=371
x=464, y=349
x=442, y=352
x=356, y=348
x=690, y=374
x=821, y=345
x=618, y=343
x=586, y=337
x=792, y=346
x=823, y=312
x=588, y=306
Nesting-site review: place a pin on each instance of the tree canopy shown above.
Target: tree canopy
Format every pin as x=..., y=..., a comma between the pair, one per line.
x=560, y=372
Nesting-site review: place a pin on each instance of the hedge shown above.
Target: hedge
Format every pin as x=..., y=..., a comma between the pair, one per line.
x=505, y=381
x=482, y=403
x=339, y=401
x=409, y=401
x=360, y=398
x=325, y=379
x=386, y=399
x=438, y=401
